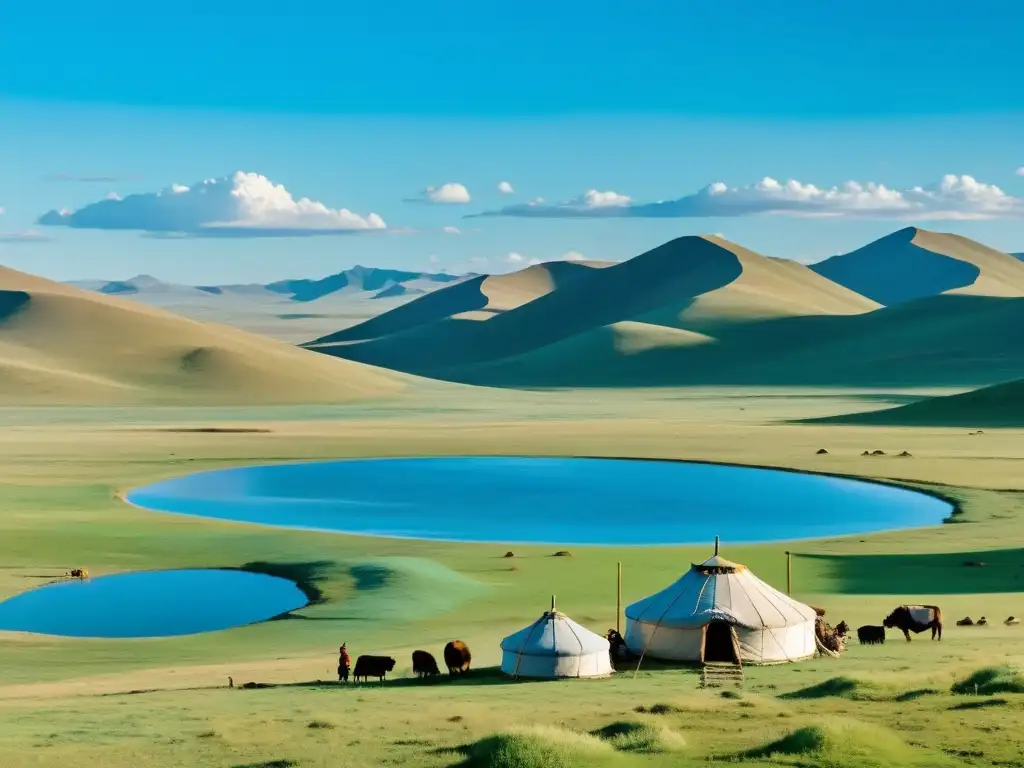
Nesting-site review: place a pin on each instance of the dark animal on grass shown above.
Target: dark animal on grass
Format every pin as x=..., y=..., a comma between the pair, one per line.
x=373, y=666
x=617, y=649
x=1011, y=621
x=982, y=622
x=822, y=452
x=424, y=664
x=457, y=657
x=916, y=619
x=869, y=635
x=842, y=629
x=966, y=621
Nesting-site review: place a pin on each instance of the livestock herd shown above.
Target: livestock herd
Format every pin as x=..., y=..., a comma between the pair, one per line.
x=457, y=659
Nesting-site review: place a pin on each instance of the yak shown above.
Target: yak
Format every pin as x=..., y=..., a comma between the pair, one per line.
x=373, y=666
x=424, y=664
x=457, y=657
x=916, y=619
x=869, y=635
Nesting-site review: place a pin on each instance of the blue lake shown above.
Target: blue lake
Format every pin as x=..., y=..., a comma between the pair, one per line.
x=545, y=500
x=150, y=604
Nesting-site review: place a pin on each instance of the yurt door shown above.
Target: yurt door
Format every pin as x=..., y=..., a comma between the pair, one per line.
x=719, y=646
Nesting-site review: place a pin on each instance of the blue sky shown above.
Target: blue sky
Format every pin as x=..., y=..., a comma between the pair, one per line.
x=364, y=107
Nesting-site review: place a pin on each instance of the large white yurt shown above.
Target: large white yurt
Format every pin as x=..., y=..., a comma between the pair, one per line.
x=555, y=646
x=719, y=611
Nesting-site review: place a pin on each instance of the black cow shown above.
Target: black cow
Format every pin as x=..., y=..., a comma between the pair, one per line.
x=916, y=619
x=373, y=666
x=869, y=635
x=424, y=665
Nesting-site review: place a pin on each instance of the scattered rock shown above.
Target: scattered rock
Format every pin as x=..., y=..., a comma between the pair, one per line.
x=510, y=553
x=907, y=453
x=562, y=553
x=866, y=453
x=822, y=452
x=878, y=453
x=982, y=622
x=966, y=621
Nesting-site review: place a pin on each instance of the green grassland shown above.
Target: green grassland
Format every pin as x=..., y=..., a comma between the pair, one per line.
x=164, y=702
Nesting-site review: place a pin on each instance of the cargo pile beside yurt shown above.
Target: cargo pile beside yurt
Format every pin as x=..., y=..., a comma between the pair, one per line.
x=720, y=612
x=555, y=646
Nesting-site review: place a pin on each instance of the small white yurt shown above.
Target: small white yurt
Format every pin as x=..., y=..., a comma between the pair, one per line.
x=555, y=646
x=719, y=611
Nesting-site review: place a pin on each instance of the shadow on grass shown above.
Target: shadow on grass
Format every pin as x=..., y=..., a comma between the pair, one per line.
x=950, y=573
x=281, y=763
x=482, y=676
x=983, y=704
x=307, y=576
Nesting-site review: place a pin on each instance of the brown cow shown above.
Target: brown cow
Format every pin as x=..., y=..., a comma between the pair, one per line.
x=916, y=619
x=424, y=664
x=457, y=657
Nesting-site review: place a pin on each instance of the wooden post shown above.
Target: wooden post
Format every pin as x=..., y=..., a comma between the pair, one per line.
x=789, y=572
x=716, y=545
x=552, y=603
x=618, y=600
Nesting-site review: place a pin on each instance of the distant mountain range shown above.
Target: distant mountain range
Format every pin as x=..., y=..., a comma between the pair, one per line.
x=914, y=308
x=369, y=282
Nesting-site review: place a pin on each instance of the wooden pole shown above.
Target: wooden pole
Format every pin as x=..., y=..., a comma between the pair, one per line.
x=618, y=600
x=789, y=572
x=716, y=545
x=552, y=603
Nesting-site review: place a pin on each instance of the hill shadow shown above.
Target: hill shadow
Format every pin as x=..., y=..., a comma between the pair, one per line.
x=308, y=576
x=950, y=573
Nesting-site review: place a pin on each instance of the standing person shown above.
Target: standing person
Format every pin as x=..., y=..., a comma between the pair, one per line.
x=344, y=664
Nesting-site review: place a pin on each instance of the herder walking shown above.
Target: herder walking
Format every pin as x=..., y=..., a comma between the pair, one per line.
x=344, y=664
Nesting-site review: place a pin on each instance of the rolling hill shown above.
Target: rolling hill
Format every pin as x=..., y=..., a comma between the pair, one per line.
x=915, y=263
x=1000, y=405
x=685, y=292
x=61, y=344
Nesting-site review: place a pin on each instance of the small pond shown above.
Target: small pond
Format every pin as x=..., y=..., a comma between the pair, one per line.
x=150, y=604
x=545, y=500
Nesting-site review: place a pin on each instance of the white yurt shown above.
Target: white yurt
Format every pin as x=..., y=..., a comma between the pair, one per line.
x=555, y=646
x=719, y=611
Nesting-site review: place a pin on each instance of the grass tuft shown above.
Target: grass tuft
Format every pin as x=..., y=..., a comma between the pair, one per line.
x=320, y=725
x=989, y=680
x=536, y=747
x=649, y=738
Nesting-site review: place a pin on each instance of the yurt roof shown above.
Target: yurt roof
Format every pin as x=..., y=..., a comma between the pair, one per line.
x=554, y=634
x=719, y=590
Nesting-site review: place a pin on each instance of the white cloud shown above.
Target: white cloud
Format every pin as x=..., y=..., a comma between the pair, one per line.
x=1020, y=171
x=573, y=256
x=506, y=188
x=23, y=238
x=445, y=194
x=451, y=230
x=239, y=205
x=952, y=197
x=533, y=262
x=434, y=258
x=515, y=258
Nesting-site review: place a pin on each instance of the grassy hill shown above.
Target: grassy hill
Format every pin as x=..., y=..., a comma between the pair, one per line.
x=1000, y=405
x=676, y=294
x=915, y=263
x=61, y=344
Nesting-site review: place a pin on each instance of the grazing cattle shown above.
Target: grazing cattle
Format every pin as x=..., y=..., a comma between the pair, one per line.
x=457, y=657
x=373, y=666
x=79, y=573
x=982, y=622
x=1011, y=621
x=424, y=664
x=916, y=619
x=869, y=635
x=966, y=621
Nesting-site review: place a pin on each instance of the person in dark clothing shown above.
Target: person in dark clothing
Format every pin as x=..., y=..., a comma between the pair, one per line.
x=344, y=664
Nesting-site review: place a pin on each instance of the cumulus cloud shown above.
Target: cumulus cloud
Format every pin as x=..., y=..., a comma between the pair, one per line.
x=952, y=197
x=240, y=205
x=445, y=194
x=452, y=230
x=515, y=258
x=573, y=256
x=506, y=188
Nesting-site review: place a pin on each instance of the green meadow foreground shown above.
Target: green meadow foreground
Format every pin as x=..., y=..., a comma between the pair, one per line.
x=165, y=702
